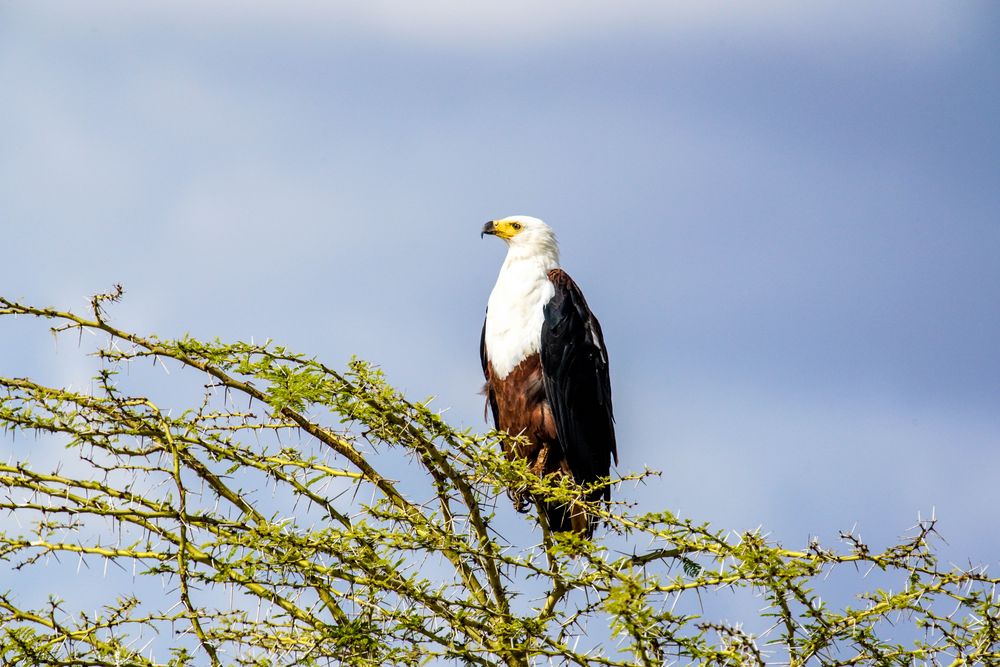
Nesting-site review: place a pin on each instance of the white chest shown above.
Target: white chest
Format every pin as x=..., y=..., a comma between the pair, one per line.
x=514, y=316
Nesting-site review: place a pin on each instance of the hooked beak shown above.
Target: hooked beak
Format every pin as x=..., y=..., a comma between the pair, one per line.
x=489, y=228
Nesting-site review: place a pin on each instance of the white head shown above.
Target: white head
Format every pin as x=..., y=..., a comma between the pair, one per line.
x=525, y=236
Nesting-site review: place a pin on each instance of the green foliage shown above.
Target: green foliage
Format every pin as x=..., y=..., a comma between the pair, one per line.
x=293, y=514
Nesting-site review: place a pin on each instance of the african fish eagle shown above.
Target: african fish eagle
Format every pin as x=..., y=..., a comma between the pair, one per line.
x=546, y=368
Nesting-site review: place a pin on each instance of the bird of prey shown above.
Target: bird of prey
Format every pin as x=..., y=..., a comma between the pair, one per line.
x=546, y=369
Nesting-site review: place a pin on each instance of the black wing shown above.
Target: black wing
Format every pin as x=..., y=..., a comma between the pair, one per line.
x=577, y=383
x=488, y=389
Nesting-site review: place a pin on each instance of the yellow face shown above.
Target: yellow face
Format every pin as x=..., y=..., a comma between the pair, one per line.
x=506, y=228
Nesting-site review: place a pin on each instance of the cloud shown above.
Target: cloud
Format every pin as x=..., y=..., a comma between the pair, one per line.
x=801, y=460
x=518, y=24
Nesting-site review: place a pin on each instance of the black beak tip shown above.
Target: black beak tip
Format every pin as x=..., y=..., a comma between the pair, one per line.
x=488, y=228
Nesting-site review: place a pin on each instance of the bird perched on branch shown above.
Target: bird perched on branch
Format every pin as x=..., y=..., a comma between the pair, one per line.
x=546, y=369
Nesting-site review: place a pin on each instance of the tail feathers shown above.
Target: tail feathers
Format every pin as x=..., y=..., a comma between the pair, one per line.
x=565, y=518
x=559, y=517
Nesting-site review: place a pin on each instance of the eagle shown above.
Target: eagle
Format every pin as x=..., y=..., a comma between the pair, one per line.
x=546, y=370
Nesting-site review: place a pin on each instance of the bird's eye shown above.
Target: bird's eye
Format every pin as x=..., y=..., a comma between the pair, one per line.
x=515, y=226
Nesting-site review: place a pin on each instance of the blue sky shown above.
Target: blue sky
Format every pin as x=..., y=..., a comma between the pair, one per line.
x=786, y=215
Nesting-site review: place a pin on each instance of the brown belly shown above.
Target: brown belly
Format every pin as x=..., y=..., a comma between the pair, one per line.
x=523, y=409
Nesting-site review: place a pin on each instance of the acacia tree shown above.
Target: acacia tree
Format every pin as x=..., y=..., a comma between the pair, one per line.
x=273, y=513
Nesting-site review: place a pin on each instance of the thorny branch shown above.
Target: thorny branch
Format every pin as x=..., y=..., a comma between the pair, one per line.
x=278, y=517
